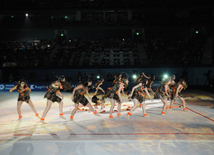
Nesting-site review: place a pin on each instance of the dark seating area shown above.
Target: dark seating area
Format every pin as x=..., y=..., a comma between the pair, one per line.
x=100, y=52
x=173, y=51
x=98, y=4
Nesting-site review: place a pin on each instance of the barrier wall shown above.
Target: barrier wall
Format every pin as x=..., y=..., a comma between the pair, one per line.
x=194, y=75
x=32, y=86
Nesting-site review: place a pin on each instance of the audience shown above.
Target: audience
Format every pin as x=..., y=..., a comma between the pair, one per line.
x=173, y=51
x=100, y=52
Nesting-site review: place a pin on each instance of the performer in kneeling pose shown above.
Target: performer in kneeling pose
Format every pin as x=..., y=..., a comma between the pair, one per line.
x=78, y=97
x=114, y=94
x=162, y=93
x=51, y=98
x=24, y=96
x=178, y=88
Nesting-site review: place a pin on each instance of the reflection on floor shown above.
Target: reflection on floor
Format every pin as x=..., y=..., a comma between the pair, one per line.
x=177, y=132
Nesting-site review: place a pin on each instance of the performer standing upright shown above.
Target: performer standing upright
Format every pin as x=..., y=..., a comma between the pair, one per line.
x=162, y=93
x=24, y=96
x=138, y=95
x=52, y=97
x=114, y=94
x=178, y=88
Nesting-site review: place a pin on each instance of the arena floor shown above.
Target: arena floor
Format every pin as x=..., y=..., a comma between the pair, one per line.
x=178, y=132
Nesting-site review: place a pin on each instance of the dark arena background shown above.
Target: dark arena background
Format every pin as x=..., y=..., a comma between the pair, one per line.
x=41, y=40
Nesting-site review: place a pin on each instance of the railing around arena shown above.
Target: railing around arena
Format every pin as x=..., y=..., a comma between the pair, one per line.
x=42, y=86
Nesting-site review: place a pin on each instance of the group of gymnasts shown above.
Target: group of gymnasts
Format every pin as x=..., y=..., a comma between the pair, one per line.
x=169, y=89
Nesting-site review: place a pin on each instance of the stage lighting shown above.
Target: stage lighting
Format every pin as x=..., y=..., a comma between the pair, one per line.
x=196, y=31
x=62, y=35
x=134, y=76
x=26, y=14
x=165, y=76
x=11, y=16
x=52, y=17
x=98, y=76
x=137, y=33
x=66, y=17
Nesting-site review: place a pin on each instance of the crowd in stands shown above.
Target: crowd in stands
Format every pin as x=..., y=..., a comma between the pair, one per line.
x=26, y=53
x=84, y=53
x=71, y=52
x=99, y=52
x=103, y=52
x=173, y=51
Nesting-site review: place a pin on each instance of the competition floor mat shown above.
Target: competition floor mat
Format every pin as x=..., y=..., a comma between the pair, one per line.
x=177, y=132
